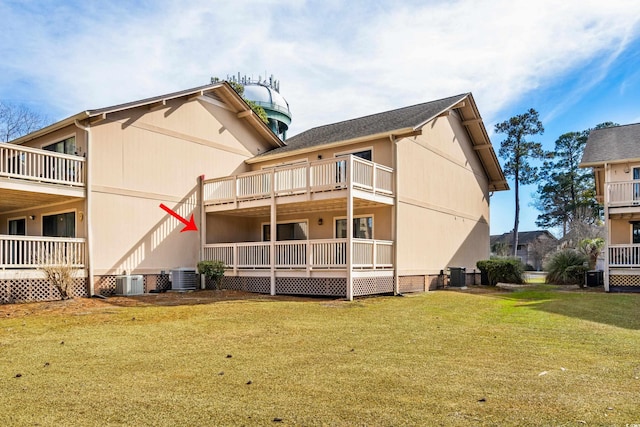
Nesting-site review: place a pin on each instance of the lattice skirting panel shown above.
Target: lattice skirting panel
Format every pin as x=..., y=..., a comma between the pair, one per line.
x=260, y=285
x=372, y=285
x=159, y=282
x=316, y=286
x=623, y=280
x=105, y=285
x=31, y=290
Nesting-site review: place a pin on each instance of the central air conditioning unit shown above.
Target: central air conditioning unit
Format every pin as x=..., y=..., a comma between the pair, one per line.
x=183, y=279
x=129, y=285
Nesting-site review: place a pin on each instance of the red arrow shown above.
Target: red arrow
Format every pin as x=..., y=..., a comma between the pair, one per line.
x=190, y=225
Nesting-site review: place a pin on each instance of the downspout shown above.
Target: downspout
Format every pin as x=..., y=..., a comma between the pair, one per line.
x=88, y=217
x=394, y=214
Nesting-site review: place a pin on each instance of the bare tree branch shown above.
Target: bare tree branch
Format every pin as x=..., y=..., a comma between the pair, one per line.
x=17, y=120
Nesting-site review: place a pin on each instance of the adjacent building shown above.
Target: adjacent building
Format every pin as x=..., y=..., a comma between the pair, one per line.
x=614, y=155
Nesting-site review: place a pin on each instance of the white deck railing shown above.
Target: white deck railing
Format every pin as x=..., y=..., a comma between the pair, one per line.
x=309, y=254
x=31, y=251
x=624, y=255
x=321, y=175
x=41, y=165
x=625, y=193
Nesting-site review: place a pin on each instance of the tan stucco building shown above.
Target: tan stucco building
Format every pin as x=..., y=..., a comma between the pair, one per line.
x=376, y=204
x=614, y=155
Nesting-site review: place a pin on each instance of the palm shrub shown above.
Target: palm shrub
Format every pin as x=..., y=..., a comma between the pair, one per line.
x=567, y=267
x=506, y=270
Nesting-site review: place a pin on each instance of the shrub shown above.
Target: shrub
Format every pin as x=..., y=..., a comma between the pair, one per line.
x=507, y=270
x=567, y=267
x=212, y=270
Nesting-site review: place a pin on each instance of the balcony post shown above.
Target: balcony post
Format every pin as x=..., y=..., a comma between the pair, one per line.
x=607, y=221
x=350, y=228
x=273, y=235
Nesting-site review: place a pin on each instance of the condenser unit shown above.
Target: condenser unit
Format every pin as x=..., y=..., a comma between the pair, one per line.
x=183, y=279
x=129, y=285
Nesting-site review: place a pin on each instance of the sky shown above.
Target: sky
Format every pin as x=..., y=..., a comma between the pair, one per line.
x=577, y=62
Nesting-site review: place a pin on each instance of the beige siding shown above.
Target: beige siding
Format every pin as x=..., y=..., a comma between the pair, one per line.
x=142, y=158
x=622, y=172
x=443, y=206
x=620, y=232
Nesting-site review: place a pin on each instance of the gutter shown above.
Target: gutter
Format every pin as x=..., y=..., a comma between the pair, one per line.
x=88, y=217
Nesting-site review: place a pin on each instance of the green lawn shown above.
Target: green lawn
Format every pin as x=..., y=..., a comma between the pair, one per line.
x=531, y=357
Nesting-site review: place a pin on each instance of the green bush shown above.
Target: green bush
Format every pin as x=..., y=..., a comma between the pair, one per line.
x=567, y=267
x=507, y=270
x=212, y=270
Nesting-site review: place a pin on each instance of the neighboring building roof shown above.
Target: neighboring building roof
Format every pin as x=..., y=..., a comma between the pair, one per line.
x=524, y=237
x=400, y=122
x=220, y=91
x=619, y=143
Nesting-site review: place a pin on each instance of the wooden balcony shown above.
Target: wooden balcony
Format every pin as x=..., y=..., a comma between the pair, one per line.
x=624, y=194
x=26, y=252
x=32, y=172
x=325, y=254
x=625, y=256
x=302, y=182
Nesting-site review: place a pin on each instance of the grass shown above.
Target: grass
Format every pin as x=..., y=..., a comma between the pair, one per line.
x=532, y=357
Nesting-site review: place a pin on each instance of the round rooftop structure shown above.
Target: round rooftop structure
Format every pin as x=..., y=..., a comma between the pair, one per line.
x=266, y=94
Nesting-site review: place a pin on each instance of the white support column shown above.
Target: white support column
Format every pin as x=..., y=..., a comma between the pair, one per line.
x=607, y=221
x=350, y=228
x=394, y=215
x=203, y=227
x=273, y=235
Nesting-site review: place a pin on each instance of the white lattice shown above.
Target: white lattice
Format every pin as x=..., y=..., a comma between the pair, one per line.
x=317, y=286
x=29, y=290
x=372, y=285
x=260, y=285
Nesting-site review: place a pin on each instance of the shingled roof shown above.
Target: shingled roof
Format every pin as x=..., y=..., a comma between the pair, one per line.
x=619, y=143
x=524, y=237
x=402, y=118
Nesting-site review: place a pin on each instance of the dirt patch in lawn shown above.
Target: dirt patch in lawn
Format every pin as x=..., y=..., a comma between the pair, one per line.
x=86, y=305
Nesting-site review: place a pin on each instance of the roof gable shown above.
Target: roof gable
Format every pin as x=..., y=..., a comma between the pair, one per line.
x=221, y=92
x=619, y=143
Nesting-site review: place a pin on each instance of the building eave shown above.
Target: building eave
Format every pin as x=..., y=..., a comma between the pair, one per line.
x=398, y=133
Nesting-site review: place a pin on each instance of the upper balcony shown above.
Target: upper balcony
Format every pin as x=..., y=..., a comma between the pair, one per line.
x=308, y=181
x=43, y=173
x=624, y=194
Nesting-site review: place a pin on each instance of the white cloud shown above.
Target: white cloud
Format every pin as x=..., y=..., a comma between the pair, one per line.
x=335, y=60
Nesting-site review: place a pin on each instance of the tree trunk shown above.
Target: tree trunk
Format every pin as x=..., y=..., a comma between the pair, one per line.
x=517, y=217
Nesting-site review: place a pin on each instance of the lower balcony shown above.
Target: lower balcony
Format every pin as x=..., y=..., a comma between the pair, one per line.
x=308, y=255
x=626, y=256
x=28, y=252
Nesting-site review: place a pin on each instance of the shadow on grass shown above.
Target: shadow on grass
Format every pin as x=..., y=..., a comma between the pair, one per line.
x=200, y=297
x=620, y=310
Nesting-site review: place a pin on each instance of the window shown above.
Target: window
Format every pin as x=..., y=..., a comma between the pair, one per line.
x=66, y=146
x=635, y=232
x=18, y=227
x=362, y=227
x=59, y=225
x=286, y=231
